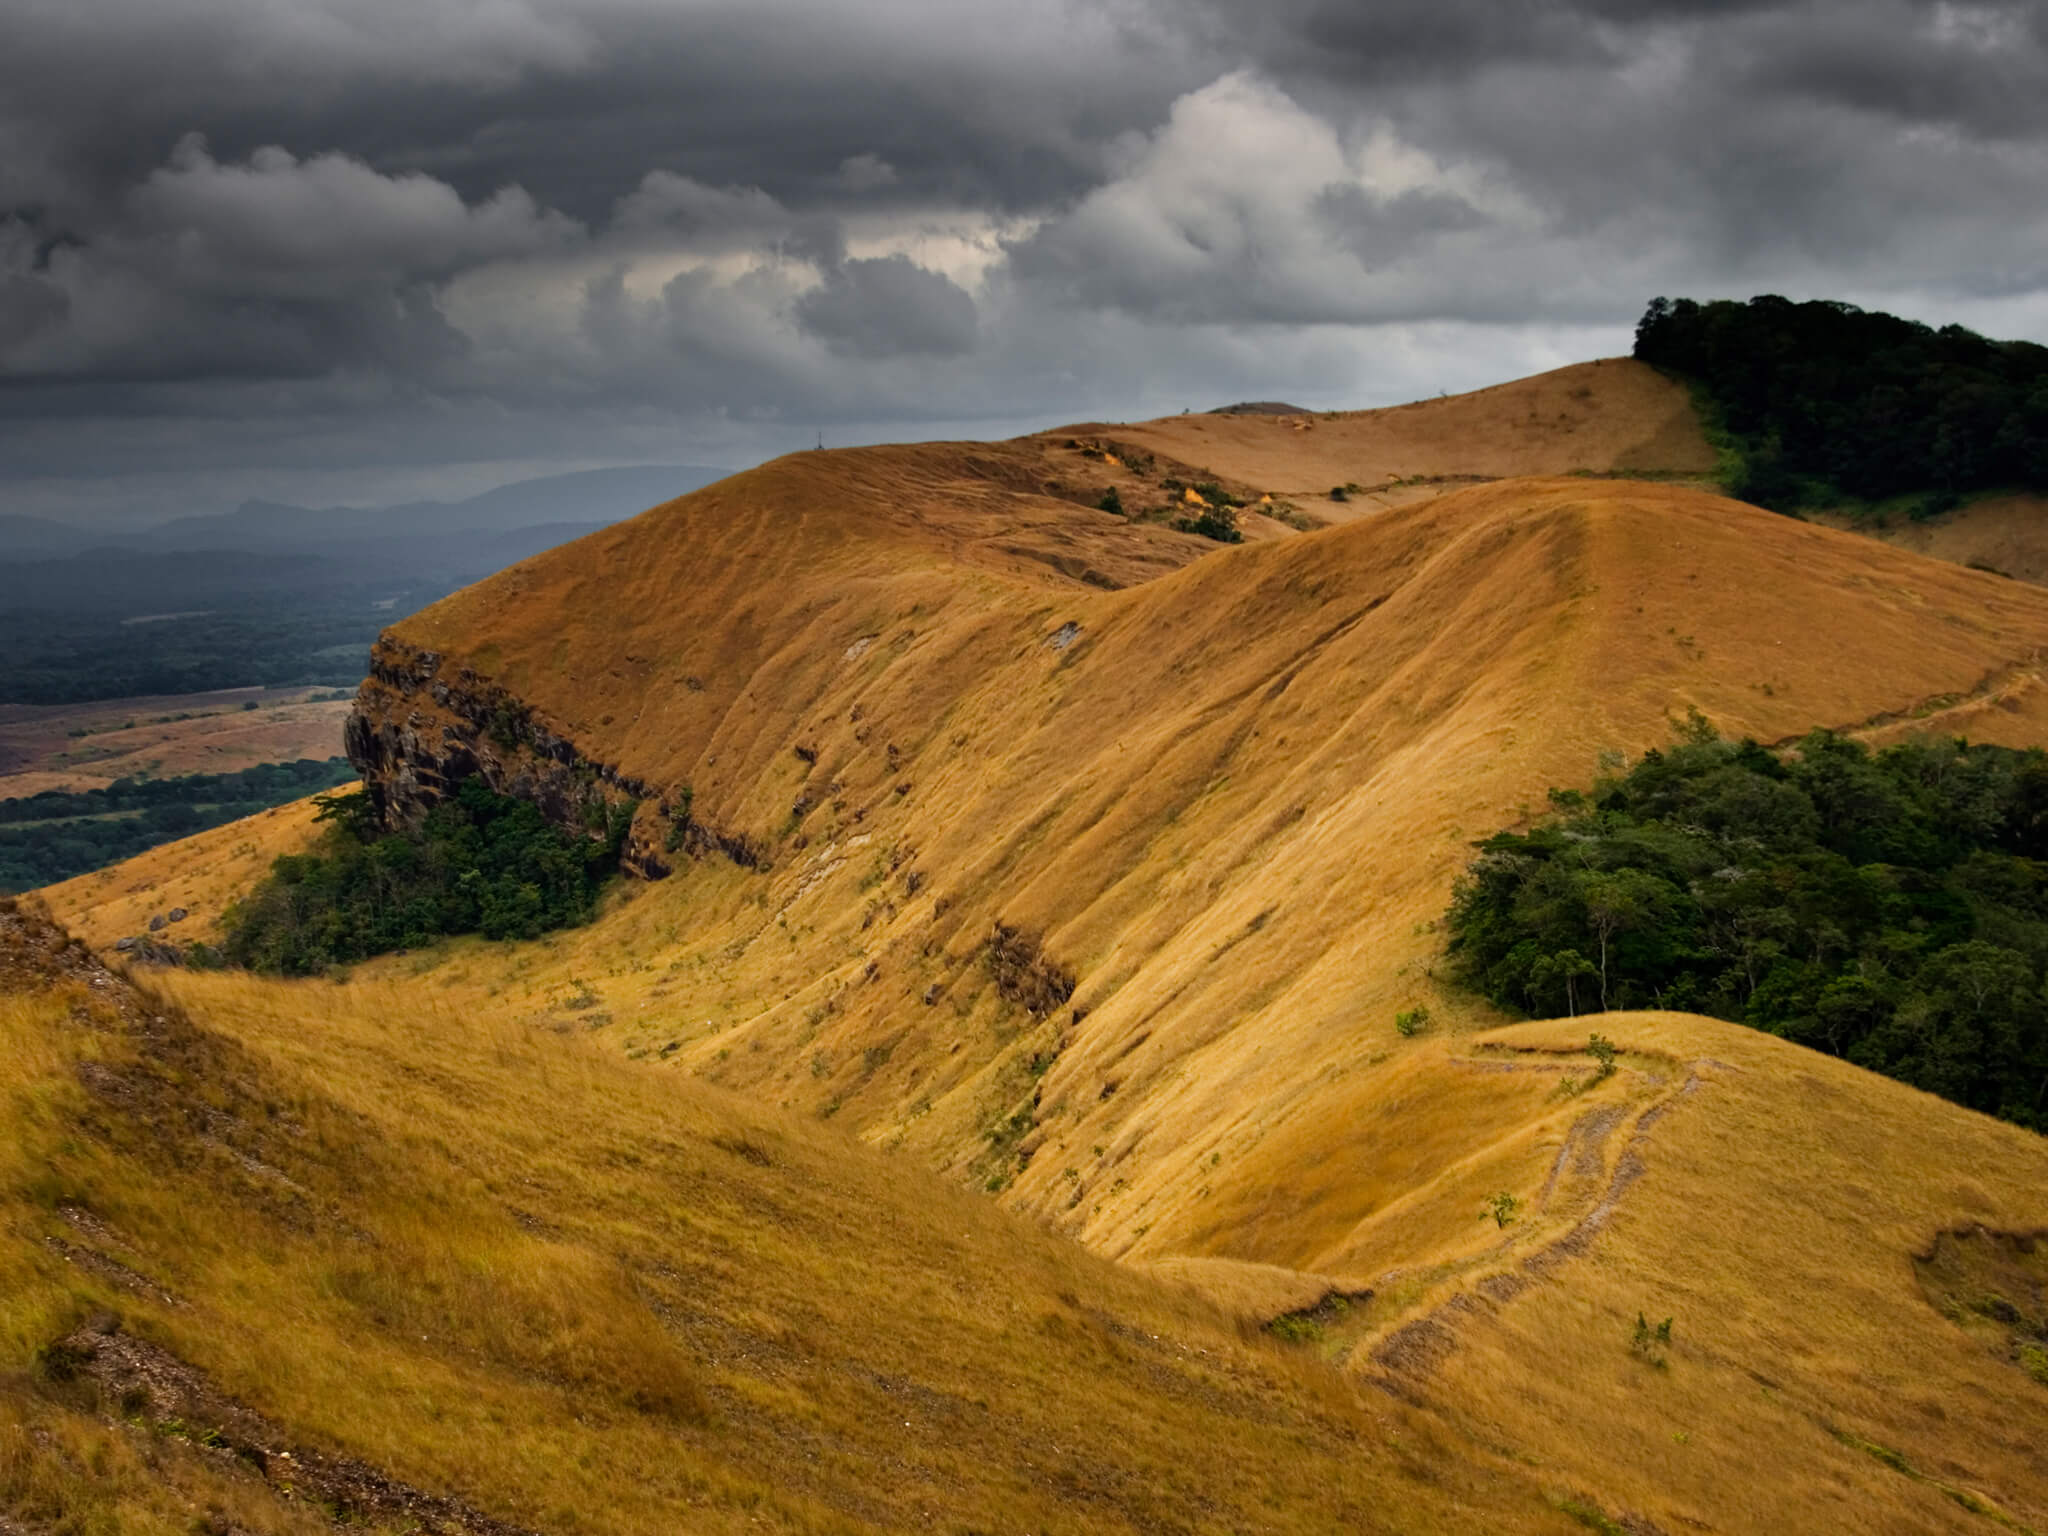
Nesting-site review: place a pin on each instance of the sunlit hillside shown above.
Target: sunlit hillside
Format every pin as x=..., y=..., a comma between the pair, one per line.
x=376, y=1259
x=1615, y=416
x=1087, y=864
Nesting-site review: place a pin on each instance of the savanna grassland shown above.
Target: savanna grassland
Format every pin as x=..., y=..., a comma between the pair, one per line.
x=1021, y=1081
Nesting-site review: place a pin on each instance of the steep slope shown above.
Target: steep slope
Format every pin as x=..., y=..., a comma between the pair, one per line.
x=372, y=1261
x=932, y=779
x=1612, y=416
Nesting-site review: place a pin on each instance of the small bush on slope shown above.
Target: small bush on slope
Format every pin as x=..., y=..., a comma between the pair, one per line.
x=1891, y=908
x=481, y=862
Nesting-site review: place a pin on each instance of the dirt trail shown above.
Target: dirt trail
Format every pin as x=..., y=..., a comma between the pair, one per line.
x=1405, y=1355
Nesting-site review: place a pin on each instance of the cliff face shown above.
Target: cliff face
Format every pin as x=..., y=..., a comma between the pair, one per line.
x=422, y=724
x=683, y=651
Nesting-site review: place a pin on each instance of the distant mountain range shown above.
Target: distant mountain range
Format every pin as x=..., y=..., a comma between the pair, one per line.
x=563, y=504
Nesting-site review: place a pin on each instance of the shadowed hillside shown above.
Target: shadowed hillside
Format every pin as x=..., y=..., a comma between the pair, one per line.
x=1091, y=864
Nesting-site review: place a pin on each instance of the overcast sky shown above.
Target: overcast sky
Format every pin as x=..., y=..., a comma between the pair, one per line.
x=360, y=250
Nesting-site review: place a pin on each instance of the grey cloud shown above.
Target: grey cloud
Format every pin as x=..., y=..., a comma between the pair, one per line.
x=1980, y=69
x=889, y=307
x=1383, y=230
x=276, y=266
x=29, y=307
x=572, y=227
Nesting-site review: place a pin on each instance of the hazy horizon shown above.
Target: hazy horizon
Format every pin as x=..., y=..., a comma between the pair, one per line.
x=336, y=254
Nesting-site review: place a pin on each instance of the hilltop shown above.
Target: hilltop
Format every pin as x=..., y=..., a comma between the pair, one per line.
x=1090, y=863
x=1614, y=416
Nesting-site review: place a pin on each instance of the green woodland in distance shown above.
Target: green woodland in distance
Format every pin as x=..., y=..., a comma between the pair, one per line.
x=55, y=835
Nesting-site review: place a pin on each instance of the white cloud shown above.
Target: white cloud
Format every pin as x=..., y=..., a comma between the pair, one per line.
x=1247, y=207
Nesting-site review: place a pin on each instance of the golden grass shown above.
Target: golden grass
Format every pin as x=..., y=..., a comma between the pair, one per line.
x=497, y=1261
x=1606, y=417
x=1235, y=805
x=2005, y=535
x=205, y=874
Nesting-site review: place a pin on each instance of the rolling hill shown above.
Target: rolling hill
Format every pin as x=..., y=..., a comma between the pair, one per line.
x=1088, y=863
x=1614, y=416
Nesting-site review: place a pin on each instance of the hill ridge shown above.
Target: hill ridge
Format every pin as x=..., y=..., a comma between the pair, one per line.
x=1228, y=795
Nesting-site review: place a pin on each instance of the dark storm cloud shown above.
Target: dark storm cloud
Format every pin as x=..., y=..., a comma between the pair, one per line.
x=889, y=307
x=29, y=306
x=355, y=229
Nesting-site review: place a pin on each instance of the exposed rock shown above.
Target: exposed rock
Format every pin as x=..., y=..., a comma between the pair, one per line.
x=421, y=726
x=135, y=1377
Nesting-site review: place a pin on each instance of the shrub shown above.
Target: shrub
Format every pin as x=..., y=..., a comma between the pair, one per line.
x=480, y=862
x=1502, y=1208
x=2034, y=1361
x=1024, y=974
x=1648, y=1343
x=1111, y=501
x=1218, y=523
x=1411, y=1021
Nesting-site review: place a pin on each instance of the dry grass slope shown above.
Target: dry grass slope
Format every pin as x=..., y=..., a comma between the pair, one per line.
x=2005, y=535
x=430, y=1270
x=1615, y=416
x=1229, y=790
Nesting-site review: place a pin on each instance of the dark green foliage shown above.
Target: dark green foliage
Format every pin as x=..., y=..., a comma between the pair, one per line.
x=481, y=862
x=679, y=818
x=1890, y=908
x=55, y=835
x=1218, y=523
x=1826, y=402
x=1112, y=501
x=1649, y=1343
x=507, y=724
x=63, y=658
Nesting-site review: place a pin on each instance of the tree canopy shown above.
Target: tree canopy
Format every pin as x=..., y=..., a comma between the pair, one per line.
x=1888, y=907
x=1824, y=402
x=480, y=862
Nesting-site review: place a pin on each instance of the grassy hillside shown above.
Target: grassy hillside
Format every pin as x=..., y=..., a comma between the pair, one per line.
x=2006, y=535
x=985, y=737
x=1612, y=416
x=376, y=1259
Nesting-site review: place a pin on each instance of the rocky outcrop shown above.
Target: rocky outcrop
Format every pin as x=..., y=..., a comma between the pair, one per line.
x=421, y=725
